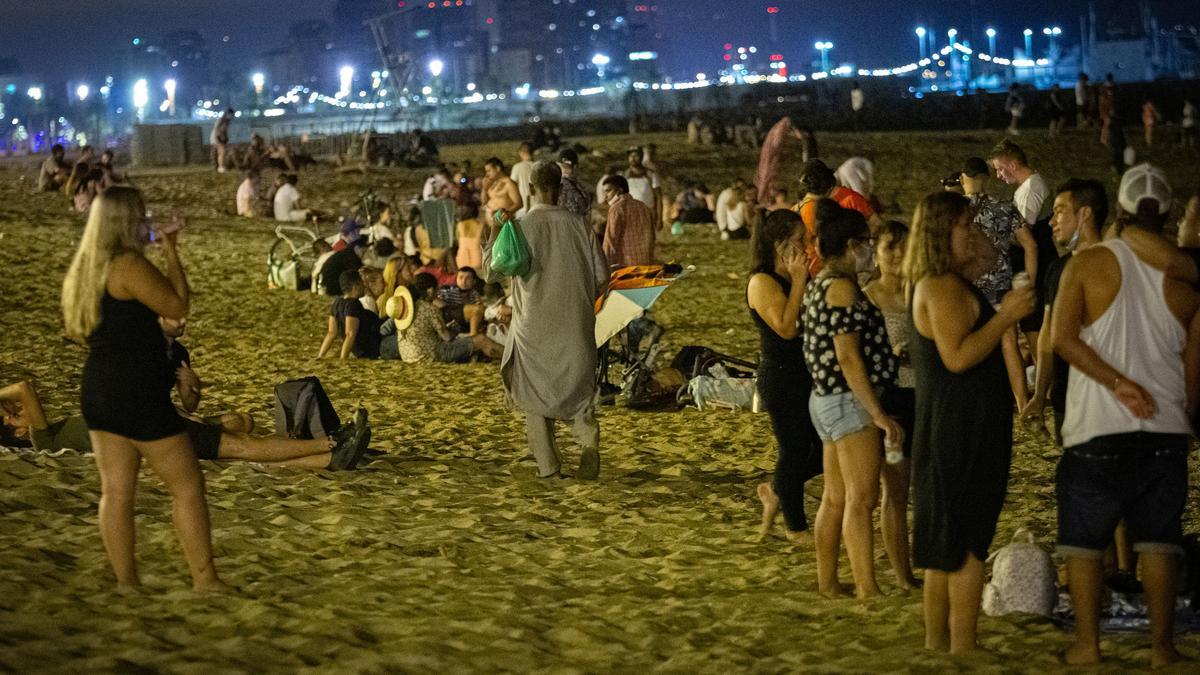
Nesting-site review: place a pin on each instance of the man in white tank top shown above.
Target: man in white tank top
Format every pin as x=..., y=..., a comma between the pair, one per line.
x=1126, y=330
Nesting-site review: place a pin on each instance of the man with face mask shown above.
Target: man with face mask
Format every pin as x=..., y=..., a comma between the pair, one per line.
x=629, y=235
x=1080, y=210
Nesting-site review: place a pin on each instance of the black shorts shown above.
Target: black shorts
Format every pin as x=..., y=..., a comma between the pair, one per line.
x=1139, y=477
x=206, y=438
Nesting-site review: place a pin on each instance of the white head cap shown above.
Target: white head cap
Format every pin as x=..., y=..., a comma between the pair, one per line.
x=1144, y=181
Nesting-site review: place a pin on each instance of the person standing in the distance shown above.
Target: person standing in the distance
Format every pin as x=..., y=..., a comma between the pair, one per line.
x=775, y=296
x=889, y=293
x=1058, y=111
x=857, y=101
x=219, y=138
x=1082, y=93
x=852, y=365
x=1106, y=107
x=113, y=297
x=1150, y=117
x=962, y=437
x=549, y=364
x=1132, y=337
x=1014, y=105
x=1187, y=124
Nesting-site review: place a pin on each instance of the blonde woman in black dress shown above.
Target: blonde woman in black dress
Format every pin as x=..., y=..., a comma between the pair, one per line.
x=962, y=437
x=113, y=297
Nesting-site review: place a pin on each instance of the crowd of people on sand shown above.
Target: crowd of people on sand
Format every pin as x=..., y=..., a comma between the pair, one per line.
x=79, y=181
x=893, y=355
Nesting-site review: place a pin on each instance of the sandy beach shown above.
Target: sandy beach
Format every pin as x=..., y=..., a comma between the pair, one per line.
x=445, y=553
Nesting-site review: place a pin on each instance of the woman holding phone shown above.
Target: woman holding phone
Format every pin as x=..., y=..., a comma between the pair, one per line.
x=113, y=297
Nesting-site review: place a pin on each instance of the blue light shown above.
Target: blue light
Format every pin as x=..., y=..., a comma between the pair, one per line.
x=10, y=89
x=137, y=41
x=920, y=94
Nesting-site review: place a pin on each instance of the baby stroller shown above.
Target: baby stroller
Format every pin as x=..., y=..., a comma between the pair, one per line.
x=625, y=336
x=291, y=258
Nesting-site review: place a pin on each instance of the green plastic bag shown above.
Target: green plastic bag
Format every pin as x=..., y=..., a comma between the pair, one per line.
x=510, y=253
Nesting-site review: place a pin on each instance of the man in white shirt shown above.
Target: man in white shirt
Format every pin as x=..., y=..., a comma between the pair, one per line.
x=1126, y=330
x=643, y=184
x=287, y=202
x=521, y=174
x=1012, y=167
x=728, y=197
x=247, y=195
x=437, y=185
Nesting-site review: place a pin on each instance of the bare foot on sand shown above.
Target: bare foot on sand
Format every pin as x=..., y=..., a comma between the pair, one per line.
x=770, y=502
x=133, y=588
x=801, y=539
x=1161, y=657
x=213, y=587
x=839, y=590
x=1082, y=654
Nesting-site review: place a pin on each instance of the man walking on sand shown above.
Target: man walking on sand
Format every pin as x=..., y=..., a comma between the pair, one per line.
x=549, y=365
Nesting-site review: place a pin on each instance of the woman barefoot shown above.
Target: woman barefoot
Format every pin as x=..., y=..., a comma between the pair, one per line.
x=962, y=438
x=113, y=296
x=846, y=349
x=775, y=295
x=889, y=294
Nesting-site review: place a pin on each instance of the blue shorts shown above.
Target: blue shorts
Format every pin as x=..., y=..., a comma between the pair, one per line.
x=838, y=415
x=1139, y=477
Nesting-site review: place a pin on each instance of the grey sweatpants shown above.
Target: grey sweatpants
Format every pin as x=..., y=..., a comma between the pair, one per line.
x=540, y=431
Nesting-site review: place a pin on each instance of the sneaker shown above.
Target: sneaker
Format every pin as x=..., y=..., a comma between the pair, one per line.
x=343, y=449
x=589, y=464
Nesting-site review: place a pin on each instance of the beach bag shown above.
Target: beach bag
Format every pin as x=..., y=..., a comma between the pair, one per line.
x=1023, y=579
x=720, y=389
x=510, y=252
x=655, y=389
x=303, y=410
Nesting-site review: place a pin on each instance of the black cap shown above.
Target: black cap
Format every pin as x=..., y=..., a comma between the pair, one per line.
x=975, y=166
x=568, y=156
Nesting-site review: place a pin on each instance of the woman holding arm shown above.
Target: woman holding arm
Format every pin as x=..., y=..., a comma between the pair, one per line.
x=962, y=438
x=851, y=362
x=775, y=296
x=112, y=297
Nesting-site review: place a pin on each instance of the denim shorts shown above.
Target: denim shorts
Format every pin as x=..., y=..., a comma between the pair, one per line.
x=1141, y=477
x=457, y=350
x=838, y=415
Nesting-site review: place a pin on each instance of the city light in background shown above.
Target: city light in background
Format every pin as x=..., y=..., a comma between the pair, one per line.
x=82, y=91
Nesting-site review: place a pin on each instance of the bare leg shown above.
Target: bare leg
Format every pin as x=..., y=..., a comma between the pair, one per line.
x=770, y=504
x=487, y=346
x=174, y=460
x=1087, y=577
x=271, y=449
x=118, y=461
x=828, y=525
x=894, y=521
x=1126, y=557
x=1160, y=572
x=314, y=462
x=474, y=316
x=936, y=609
x=965, y=588
x=859, y=457
x=1015, y=367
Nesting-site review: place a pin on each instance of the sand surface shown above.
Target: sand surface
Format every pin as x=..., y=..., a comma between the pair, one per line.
x=445, y=553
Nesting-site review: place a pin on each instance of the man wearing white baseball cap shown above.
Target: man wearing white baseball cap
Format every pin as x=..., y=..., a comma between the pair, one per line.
x=1124, y=327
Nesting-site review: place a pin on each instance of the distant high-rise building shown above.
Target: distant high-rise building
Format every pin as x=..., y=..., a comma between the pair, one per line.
x=186, y=53
x=559, y=43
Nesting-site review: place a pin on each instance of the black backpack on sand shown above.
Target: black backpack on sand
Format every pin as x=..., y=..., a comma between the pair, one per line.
x=303, y=410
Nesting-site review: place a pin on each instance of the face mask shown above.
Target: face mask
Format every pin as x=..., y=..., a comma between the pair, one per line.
x=1071, y=245
x=864, y=259
x=613, y=200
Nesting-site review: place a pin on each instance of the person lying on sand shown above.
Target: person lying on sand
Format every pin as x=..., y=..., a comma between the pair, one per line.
x=224, y=437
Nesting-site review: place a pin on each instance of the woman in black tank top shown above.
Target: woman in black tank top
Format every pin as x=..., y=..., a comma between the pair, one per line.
x=774, y=295
x=112, y=297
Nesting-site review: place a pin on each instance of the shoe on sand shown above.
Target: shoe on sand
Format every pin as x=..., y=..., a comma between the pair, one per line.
x=352, y=441
x=589, y=464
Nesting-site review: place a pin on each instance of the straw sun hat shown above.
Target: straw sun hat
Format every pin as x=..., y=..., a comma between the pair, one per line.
x=400, y=308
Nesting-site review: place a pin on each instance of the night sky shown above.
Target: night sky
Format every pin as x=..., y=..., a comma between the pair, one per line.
x=67, y=39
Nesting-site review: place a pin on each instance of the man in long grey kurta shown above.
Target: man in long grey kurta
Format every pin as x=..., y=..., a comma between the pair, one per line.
x=549, y=366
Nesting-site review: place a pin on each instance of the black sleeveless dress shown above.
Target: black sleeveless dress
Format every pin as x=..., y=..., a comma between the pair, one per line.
x=127, y=378
x=962, y=448
x=784, y=385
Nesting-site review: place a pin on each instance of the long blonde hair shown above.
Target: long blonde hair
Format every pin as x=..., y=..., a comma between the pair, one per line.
x=112, y=228
x=928, y=252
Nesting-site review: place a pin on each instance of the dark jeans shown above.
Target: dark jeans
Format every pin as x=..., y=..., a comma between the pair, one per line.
x=784, y=390
x=1141, y=477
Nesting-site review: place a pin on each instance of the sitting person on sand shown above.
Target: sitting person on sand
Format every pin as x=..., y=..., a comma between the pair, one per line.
x=443, y=269
x=426, y=339
x=54, y=170
x=357, y=326
x=459, y=303
x=249, y=202
x=287, y=203
x=349, y=258
x=222, y=437
x=373, y=288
